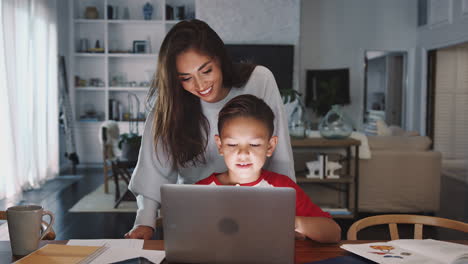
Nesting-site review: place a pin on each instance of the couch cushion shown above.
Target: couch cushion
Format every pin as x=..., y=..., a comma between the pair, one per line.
x=382, y=128
x=418, y=143
x=398, y=131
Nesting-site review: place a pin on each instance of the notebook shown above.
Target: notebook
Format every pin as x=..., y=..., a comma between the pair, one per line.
x=54, y=253
x=228, y=224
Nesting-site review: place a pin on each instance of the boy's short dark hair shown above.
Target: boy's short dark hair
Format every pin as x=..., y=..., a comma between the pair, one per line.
x=247, y=105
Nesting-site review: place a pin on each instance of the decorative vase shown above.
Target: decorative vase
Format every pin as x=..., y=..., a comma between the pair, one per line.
x=335, y=125
x=297, y=121
x=147, y=11
x=91, y=12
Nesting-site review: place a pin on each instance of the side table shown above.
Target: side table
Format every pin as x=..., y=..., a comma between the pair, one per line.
x=347, y=177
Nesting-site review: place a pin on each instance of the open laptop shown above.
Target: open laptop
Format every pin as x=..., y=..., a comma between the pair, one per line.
x=227, y=224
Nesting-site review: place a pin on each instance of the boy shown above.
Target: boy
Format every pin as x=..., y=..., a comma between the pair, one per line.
x=245, y=140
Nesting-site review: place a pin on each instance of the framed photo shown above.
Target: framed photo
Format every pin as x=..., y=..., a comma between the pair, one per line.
x=140, y=46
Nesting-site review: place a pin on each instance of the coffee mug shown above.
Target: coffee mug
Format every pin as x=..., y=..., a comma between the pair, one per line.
x=24, y=227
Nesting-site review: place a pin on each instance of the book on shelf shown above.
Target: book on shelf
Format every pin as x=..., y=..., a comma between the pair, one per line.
x=426, y=251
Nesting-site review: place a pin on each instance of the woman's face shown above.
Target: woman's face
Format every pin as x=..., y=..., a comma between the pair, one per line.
x=201, y=75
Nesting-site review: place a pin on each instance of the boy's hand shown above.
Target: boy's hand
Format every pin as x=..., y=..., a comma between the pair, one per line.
x=140, y=232
x=299, y=236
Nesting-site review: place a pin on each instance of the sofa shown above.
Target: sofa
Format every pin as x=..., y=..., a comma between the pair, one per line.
x=402, y=176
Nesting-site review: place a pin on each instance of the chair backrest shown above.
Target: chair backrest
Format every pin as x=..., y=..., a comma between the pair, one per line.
x=50, y=236
x=393, y=220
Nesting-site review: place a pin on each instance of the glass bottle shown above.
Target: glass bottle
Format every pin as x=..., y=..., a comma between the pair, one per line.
x=335, y=125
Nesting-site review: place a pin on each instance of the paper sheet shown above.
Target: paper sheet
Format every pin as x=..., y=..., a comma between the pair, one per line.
x=111, y=243
x=120, y=249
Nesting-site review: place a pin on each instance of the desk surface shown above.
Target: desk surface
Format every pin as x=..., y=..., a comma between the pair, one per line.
x=306, y=251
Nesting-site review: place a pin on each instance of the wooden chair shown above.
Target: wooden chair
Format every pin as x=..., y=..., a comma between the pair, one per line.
x=50, y=236
x=107, y=168
x=393, y=220
x=109, y=135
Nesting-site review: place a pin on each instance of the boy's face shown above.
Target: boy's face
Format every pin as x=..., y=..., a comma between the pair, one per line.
x=245, y=144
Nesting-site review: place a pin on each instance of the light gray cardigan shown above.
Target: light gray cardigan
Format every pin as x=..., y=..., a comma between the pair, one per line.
x=150, y=172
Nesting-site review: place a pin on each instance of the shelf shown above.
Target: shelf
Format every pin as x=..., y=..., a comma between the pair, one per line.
x=89, y=122
x=90, y=88
x=129, y=89
x=343, y=179
x=90, y=54
x=85, y=123
x=141, y=22
x=134, y=55
x=89, y=21
x=126, y=121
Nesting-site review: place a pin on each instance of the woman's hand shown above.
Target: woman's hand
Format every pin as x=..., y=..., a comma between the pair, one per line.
x=140, y=232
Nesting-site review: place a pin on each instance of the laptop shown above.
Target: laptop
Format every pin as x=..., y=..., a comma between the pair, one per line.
x=228, y=224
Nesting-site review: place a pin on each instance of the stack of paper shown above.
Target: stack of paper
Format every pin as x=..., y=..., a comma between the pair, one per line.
x=121, y=249
x=92, y=251
x=412, y=251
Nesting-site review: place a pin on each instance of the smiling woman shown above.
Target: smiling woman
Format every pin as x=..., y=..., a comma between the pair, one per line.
x=195, y=78
x=204, y=81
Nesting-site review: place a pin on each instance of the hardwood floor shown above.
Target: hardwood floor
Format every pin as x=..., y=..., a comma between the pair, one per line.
x=60, y=194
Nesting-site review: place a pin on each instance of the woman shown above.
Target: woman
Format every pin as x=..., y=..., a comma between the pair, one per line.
x=194, y=79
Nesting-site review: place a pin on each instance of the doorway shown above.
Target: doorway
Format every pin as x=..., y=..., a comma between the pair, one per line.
x=385, y=85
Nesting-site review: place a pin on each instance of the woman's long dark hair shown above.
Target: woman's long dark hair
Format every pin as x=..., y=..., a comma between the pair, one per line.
x=179, y=124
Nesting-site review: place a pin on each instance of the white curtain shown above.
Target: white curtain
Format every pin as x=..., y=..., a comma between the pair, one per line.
x=28, y=94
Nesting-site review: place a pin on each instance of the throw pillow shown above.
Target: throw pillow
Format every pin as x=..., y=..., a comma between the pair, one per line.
x=364, y=150
x=382, y=128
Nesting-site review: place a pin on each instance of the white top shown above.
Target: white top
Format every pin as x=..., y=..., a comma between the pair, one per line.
x=150, y=172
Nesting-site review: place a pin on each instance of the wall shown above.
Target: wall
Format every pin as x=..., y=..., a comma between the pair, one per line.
x=335, y=34
x=255, y=22
x=447, y=25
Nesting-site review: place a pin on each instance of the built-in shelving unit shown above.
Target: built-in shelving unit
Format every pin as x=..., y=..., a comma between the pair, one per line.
x=112, y=55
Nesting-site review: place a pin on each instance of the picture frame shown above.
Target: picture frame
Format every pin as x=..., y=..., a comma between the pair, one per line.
x=140, y=46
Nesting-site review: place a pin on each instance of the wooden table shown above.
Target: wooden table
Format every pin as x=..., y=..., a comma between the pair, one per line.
x=306, y=251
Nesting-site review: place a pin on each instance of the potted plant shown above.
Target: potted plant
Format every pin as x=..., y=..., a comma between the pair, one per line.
x=289, y=95
x=130, y=144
